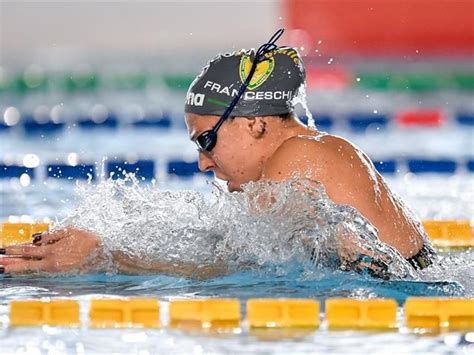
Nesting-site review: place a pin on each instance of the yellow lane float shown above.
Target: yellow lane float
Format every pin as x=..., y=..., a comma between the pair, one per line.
x=439, y=314
x=282, y=313
x=20, y=233
x=213, y=314
x=345, y=313
x=58, y=312
x=124, y=313
x=450, y=234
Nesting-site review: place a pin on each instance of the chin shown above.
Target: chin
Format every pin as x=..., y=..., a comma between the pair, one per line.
x=232, y=187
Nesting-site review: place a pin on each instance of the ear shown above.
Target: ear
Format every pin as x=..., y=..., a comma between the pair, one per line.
x=257, y=126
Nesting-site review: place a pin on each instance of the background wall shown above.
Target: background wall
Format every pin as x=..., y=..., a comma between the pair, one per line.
x=386, y=27
x=44, y=30
x=107, y=29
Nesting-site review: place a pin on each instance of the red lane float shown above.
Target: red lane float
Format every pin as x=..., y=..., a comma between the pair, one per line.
x=420, y=118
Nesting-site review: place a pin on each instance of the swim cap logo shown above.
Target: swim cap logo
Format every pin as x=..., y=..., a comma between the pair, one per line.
x=290, y=52
x=263, y=71
x=195, y=99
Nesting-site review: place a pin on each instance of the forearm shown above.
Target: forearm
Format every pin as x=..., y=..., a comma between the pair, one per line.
x=102, y=259
x=134, y=265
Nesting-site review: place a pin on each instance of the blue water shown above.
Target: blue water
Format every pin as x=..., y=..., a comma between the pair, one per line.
x=241, y=285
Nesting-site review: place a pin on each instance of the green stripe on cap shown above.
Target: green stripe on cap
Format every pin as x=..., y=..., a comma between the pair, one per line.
x=217, y=102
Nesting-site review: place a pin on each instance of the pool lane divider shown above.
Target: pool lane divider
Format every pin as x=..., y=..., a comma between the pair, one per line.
x=373, y=314
x=443, y=234
x=123, y=313
x=450, y=233
x=147, y=170
x=421, y=314
x=20, y=233
x=283, y=313
x=439, y=314
x=217, y=313
x=57, y=312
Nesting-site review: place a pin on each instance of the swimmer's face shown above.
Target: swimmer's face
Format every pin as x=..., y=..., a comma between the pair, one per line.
x=238, y=154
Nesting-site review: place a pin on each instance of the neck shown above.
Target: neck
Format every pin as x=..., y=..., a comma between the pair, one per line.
x=278, y=131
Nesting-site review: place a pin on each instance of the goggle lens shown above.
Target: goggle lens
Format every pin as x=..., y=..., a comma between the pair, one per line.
x=207, y=140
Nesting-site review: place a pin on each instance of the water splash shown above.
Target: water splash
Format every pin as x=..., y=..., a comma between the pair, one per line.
x=300, y=99
x=269, y=224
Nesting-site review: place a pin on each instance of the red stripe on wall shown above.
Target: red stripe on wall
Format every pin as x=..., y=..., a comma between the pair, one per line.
x=385, y=27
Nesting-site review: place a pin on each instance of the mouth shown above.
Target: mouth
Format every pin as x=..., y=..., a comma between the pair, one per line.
x=231, y=187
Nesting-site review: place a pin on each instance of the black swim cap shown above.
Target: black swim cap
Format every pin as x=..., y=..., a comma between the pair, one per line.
x=277, y=80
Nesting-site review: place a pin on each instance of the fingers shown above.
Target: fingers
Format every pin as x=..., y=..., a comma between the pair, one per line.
x=24, y=267
x=49, y=237
x=10, y=260
x=26, y=251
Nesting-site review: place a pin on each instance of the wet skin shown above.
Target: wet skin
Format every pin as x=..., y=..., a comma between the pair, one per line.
x=251, y=149
x=247, y=149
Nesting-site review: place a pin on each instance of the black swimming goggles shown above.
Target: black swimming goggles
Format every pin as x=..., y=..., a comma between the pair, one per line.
x=207, y=140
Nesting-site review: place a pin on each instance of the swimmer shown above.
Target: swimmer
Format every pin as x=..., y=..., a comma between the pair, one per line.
x=240, y=113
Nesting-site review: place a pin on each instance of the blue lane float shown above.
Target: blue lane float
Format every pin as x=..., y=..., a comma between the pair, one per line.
x=386, y=166
x=111, y=122
x=323, y=122
x=33, y=127
x=15, y=171
x=184, y=169
x=163, y=122
x=470, y=165
x=465, y=118
x=143, y=169
x=70, y=172
x=440, y=166
x=359, y=122
x=4, y=127
x=146, y=170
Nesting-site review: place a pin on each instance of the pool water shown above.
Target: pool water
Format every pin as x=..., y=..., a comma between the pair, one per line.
x=431, y=196
x=242, y=285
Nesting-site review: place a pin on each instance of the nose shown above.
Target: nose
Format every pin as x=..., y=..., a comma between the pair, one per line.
x=205, y=162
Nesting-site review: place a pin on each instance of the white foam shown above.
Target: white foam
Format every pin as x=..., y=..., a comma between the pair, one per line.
x=279, y=224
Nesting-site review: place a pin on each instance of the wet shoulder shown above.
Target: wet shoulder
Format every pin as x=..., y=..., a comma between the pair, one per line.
x=320, y=145
x=319, y=154
x=306, y=154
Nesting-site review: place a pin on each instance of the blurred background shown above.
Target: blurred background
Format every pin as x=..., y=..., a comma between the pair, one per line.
x=94, y=88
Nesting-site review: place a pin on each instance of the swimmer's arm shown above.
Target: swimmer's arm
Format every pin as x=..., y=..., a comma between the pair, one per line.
x=75, y=250
x=130, y=265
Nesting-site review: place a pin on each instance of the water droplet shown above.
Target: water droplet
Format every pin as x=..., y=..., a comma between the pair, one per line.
x=25, y=180
x=11, y=116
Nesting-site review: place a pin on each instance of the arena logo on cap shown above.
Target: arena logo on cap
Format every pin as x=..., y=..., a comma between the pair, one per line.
x=194, y=99
x=263, y=71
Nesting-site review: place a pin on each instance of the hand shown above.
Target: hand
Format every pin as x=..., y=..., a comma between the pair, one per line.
x=55, y=252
